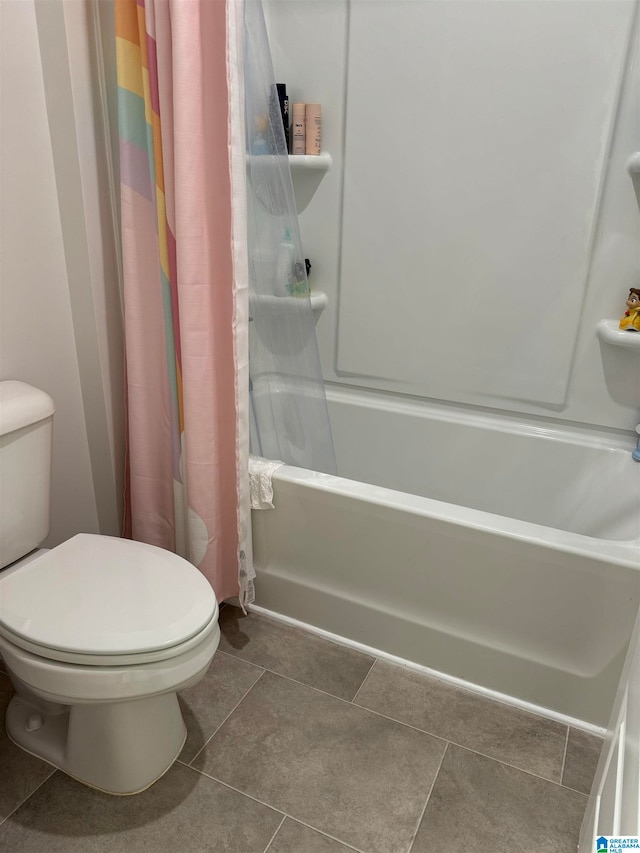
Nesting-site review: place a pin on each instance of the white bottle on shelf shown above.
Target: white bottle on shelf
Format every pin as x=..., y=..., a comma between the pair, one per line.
x=285, y=263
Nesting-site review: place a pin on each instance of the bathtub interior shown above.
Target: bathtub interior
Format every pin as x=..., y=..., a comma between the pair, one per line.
x=566, y=479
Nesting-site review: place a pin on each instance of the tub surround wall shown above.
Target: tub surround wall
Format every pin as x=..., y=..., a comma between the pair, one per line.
x=478, y=220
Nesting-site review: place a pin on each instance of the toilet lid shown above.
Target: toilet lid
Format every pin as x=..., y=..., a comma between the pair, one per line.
x=105, y=596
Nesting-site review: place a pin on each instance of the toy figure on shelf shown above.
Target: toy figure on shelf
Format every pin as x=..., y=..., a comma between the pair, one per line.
x=631, y=319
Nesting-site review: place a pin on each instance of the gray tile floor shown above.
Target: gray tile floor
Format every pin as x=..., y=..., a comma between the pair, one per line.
x=298, y=745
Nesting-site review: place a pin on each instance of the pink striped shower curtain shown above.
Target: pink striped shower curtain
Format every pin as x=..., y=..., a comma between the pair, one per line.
x=185, y=283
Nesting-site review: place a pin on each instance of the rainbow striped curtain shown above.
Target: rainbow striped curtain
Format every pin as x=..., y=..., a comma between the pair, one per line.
x=185, y=283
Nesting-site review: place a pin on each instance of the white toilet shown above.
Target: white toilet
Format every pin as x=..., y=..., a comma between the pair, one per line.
x=98, y=633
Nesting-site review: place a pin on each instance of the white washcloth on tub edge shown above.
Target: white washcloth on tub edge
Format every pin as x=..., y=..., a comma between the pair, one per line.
x=261, y=472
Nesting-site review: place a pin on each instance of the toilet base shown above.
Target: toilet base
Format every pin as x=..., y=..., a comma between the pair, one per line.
x=119, y=747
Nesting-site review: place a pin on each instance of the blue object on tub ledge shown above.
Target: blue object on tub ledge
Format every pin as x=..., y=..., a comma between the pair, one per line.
x=636, y=453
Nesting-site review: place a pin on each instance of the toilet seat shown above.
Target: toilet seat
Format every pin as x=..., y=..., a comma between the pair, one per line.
x=101, y=601
x=71, y=682
x=117, y=661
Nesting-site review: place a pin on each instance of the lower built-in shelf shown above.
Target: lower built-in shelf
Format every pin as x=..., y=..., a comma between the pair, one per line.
x=268, y=302
x=610, y=332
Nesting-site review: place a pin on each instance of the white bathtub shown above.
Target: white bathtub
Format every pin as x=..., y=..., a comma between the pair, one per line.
x=517, y=569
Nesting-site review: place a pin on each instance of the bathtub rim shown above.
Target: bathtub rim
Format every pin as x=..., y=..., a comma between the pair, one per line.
x=503, y=421
x=621, y=552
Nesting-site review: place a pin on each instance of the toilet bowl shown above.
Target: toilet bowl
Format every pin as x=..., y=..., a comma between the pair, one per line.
x=98, y=635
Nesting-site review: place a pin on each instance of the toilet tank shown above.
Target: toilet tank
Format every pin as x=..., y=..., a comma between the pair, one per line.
x=26, y=427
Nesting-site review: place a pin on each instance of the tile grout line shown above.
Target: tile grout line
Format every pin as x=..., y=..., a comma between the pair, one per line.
x=519, y=769
x=269, y=806
x=424, y=810
x=311, y=686
x=231, y=788
x=284, y=817
x=326, y=835
x=220, y=651
x=422, y=731
x=28, y=797
x=217, y=729
x=348, y=702
x=364, y=680
x=564, y=755
x=573, y=790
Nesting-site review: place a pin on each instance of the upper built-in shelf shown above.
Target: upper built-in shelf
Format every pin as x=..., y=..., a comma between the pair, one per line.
x=633, y=164
x=307, y=170
x=633, y=167
x=610, y=332
x=313, y=162
x=299, y=163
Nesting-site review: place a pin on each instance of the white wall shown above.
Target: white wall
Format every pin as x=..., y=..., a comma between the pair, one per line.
x=60, y=325
x=478, y=221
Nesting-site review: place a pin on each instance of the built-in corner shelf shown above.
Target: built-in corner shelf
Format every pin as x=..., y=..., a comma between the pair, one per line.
x=319, y=301
x=633, y=164
x=311, y=162
x=300, y=163
x=264, y=172
x=610, y=332
x=268, y=302
x=633, y=168
x=307, y=170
